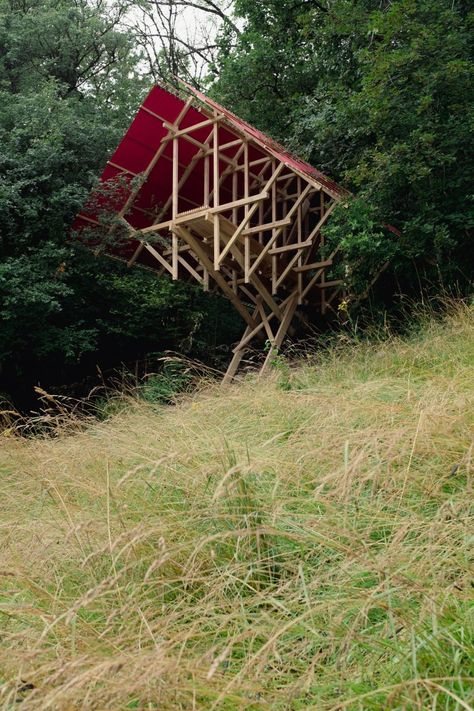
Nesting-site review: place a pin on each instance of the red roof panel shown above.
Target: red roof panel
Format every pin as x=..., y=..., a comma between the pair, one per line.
x=143, y=139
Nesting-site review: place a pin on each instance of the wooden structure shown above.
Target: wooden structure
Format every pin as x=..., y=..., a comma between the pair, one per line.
x=205, y=196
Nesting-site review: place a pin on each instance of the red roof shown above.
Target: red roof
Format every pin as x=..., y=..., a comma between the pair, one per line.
x=272, y=146
x=138, y=149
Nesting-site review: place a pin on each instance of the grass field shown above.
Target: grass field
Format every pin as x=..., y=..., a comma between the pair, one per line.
x=301, y=542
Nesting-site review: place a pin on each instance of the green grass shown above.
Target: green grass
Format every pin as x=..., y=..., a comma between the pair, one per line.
x=299, y=542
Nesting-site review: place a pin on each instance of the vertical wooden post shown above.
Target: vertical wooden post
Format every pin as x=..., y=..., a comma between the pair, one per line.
x=274, y=218
x=175, y=177
x=174, y=256
x=300, y=239
x=215, y=156
x=247, y=258
x=235, y=216
x=321, y=243
x=175, y=210
x=235, y=178
x=207, y=188
x=246, y=212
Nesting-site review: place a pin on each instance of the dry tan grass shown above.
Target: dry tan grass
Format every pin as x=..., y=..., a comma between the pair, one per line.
x=301, y=542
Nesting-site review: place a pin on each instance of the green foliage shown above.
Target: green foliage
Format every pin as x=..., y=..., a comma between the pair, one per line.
x=365, y=243
x=70, y=83
x=65, y=98
x=163, y=387
x=379, y=95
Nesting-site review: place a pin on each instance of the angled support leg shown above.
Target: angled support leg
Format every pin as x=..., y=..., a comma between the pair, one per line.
x=282, y=331
x=240, y=349
x=233, y=365
x=262, y=320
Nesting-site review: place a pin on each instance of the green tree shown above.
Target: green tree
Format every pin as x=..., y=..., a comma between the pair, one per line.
x=380, y=96
x=70, y=83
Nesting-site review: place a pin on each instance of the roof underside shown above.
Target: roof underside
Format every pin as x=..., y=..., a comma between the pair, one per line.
x=138, y=149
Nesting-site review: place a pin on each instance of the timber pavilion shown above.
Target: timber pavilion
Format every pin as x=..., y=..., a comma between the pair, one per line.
x=206, y=196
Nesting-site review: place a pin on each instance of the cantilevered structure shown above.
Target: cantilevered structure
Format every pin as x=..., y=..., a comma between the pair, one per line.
x=206, y=196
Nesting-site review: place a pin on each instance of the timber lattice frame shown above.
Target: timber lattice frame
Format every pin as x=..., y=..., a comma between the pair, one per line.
x=229, y=208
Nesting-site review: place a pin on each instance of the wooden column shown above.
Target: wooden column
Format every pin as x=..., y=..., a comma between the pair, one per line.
x=175, y=209
x=323, y=274
x=215, y=157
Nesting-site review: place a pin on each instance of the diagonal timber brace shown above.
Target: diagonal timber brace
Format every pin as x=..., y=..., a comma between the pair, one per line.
x=275, y=338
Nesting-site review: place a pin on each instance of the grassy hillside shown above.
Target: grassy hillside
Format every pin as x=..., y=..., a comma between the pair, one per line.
x=297, y=543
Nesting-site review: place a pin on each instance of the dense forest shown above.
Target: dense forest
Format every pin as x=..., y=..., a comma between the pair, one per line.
x=376, y=93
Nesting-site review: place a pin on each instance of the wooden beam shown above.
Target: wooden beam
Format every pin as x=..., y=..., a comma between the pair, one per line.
x=254, y=163
x=328, y=284
x=174, y=201
x=320, y=271
x=121, y=168
x=262, y=319
x=268, y=251
x=290, y=247
x=291, y=263
x=252, y=333
x=191, y=270
x=299, y=227
x=225, y=146
x=157, y=155
x=216, y=185
x=196, y=126
x=265, y=321
x=313, y=265
x=186, y=137
x=187, y=172
x=238, y=355
x=159, y=258
x=322, y=220
x=254, y=280
x=282, y=330
x=232, y=241
x=190, y=215
x=235, y=178
x=276, y=231
x=234, y=166
x=228, y=170
x=91, y=220
x=207, y=181
x=285, y=176
x=174, y=256
x=136, y=254
x=267, y=226
x=251, y=211
x=246, y=210
x=323, y=272
x=197, y=248
x=241, y=202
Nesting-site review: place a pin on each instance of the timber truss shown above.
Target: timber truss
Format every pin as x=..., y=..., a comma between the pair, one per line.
x=217, y=202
